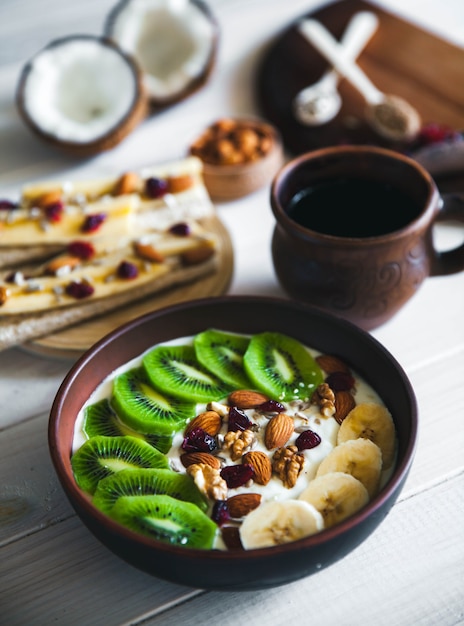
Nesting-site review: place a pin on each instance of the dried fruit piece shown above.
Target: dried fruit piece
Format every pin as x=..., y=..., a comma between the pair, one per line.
x=238, y=420
x=79, y=289
x=8, y=205
x=127, y=270
x=271, y=406
x=198, y=440
x=231, y=537
x=82, y=249
x=156, y=187
x=307, y=440
x=181, y=229
x=220, y=513
x=237, y=475
x=93, y=222
x=54, y=212
x=340, y=381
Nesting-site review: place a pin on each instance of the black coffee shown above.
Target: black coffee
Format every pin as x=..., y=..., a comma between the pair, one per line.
x=353, y=208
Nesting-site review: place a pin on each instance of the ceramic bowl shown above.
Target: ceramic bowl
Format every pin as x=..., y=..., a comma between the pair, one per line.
x=229, y=139
x=236, y=570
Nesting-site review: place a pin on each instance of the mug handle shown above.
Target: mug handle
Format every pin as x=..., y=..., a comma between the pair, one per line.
x=449, y=261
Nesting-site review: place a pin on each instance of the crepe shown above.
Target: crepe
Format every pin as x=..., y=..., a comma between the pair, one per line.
x=74, y=250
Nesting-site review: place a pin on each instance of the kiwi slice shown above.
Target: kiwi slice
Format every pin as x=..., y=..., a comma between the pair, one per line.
x=148, y=410
x=175, y=370
x=143, y=482
x=166, y=519
x=99, y=457
x=222, y=354
x=100, y=419
x=281, y=367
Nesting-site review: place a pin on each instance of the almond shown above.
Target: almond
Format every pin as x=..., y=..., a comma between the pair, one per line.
x=176, y=184
x=3, y=294
x=245, y=399
x=278, y=431
x=209, y=421
x=129, y=182
x=50, y=197
x=330, y=364
x=55, y=265
x=148, y=252
x=201, y=253
x=241, y=504
x=261, y=464
x=344, y=402
x=190, y=458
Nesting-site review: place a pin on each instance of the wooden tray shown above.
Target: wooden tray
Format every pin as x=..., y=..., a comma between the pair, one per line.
x=73, y=341
x=400, y=58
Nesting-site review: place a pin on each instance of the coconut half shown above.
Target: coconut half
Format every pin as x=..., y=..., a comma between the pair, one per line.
x=174, y=42
x=82, y=93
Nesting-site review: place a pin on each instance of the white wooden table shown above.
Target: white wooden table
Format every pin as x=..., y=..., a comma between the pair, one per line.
x=410, y=571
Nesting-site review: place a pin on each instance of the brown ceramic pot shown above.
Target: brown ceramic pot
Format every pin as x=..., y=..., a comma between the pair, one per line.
x=363, y=279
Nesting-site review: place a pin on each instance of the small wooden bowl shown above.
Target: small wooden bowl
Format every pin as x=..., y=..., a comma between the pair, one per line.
x=222, y=143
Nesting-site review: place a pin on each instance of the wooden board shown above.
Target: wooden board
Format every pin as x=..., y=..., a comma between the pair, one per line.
x=73, y=341
x=400, y=59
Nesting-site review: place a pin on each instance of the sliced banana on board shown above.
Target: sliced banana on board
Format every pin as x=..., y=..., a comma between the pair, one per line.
x=360, y=457
x=371, y=421
x=336, y=496
x=274, y=523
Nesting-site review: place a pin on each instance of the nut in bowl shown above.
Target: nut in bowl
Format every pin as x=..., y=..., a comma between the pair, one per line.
x=239, y=156
x=244, y=461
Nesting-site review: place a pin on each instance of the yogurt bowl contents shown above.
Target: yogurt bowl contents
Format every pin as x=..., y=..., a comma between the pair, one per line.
x=232, y=441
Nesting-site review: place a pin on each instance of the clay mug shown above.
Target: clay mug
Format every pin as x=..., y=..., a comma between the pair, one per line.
x=354, y=231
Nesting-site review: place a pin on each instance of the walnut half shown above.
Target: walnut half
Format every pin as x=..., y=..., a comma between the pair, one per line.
x=208, y=480
x=288, y=463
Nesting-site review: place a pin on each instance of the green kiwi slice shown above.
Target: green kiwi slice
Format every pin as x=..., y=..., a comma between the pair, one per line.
x=148, y=410
x=99, y=457
x=100, y=419
x=281, y=367
x=166, y=519
x=222, y=354
x=175, y=370
x=143, y=482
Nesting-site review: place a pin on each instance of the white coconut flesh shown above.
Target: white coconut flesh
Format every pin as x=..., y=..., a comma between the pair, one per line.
x=79, y=90
x=172, y=41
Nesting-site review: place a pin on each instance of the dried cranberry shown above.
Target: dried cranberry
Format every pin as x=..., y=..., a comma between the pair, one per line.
x=93, y=222
x=238, y=420
x=307, y=440
x=435, y=133
x=271, y=406
x=7, y=205
x=198, y=440
x=82, y=249
x=54, y=211
x=127, y=270
x=237, y=475
x=340, y=381
x=79, y=290
x=181, y=229
x=156, y=187
x=220, y=513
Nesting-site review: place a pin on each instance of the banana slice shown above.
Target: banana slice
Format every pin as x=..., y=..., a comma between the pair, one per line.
x=371, y=421
x=360, y=457
x=336, y=496
x=274, y=523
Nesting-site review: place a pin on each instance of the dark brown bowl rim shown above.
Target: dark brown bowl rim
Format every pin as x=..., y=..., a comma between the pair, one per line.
x=322, y=538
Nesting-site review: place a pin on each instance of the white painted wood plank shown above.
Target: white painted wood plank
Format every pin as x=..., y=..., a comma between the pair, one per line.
x=63, y=575
x=409, y=571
